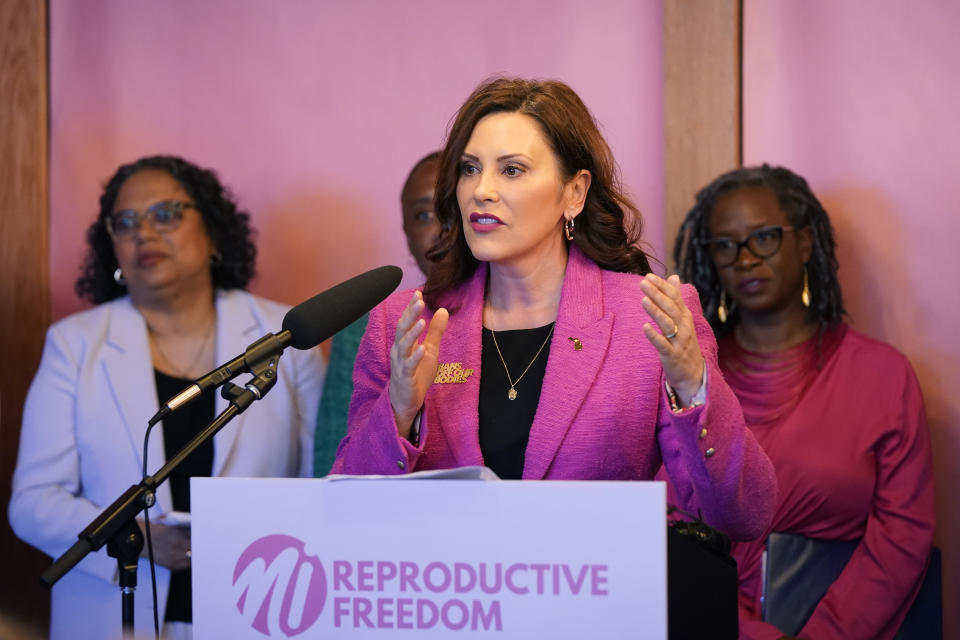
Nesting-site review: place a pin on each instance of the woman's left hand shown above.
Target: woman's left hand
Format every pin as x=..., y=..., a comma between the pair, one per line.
x=676, y=341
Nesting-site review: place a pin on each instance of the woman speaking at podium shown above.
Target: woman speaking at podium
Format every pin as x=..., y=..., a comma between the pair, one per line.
x=541, y=345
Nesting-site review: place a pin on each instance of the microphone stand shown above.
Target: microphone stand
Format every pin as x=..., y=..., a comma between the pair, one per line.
x=116, y=526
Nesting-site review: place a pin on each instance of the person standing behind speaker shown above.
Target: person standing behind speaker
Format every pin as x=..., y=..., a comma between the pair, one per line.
x=421, y=227
x=840, y=415
x=168, y=258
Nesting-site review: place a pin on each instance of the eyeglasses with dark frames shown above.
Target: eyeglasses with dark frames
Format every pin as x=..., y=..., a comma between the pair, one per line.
x=762, y=243
x=164, y=217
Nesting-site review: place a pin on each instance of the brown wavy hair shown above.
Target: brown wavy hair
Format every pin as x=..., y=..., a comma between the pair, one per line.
x=608, y=230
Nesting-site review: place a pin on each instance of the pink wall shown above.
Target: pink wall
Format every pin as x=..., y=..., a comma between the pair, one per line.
x=862, y=99
x=314, y=112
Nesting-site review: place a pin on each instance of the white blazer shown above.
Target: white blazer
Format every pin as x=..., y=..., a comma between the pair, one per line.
x=81, y=444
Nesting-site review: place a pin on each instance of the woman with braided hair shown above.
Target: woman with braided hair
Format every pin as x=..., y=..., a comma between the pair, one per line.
x=840, y=415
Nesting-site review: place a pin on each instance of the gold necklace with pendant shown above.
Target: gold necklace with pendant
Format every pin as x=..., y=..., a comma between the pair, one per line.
x=182, y=373
x=512, y=393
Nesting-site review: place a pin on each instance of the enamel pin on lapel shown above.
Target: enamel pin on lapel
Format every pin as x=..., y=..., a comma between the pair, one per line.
x=452, y=373
x=577, y=345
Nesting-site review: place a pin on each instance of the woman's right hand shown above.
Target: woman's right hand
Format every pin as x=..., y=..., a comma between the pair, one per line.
x=171, y=545
x=413, y=366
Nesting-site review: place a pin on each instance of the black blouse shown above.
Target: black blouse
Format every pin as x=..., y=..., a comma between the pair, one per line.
x=178, y=429
x=504, y=423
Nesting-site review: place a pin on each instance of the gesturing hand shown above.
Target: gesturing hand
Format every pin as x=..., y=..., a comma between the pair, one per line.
x=413, y=366
x=676, y=342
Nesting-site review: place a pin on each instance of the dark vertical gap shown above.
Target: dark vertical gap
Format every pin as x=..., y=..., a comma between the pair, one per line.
x=48, y=53
x=740, y=83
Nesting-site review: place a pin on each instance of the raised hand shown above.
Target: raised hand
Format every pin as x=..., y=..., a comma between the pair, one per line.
x=413, y=366
x=676, y=340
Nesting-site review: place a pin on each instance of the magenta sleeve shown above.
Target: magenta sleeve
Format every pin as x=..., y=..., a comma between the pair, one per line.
x=715, y=465
x=372, y=444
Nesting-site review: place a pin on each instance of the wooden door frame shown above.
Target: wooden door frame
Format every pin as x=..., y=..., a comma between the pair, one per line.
x=702, y=88
x=25, y=282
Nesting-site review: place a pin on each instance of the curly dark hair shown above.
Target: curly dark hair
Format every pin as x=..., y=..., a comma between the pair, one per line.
x=802, y=208
x=608, y=229
x=229, y=229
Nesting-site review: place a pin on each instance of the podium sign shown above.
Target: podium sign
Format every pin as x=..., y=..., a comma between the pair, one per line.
x=408, y=558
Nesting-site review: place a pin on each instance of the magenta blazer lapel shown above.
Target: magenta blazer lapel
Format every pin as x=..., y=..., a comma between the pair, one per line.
x=569, y=376
x=570, y=371
x=459, y=403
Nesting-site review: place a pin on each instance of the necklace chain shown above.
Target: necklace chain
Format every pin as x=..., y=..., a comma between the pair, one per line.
x=512, y=393
x=182, y=373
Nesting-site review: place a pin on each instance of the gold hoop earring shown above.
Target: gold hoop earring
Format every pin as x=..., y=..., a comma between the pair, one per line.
x=722, y=307
x=805, y=293
x=568, y=229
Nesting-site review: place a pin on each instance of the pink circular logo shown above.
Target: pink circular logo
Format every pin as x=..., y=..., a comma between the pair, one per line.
x=280, y=589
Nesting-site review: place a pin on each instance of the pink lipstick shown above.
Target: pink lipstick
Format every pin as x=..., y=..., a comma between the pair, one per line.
x=483, y=222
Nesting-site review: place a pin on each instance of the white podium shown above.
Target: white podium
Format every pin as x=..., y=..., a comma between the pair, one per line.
x=389, y=558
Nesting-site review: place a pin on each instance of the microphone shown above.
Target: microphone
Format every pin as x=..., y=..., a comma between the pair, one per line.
x=304, y=327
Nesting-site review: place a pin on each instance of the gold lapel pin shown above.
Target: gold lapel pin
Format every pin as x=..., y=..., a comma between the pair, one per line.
x=577, y=345
x=452, y=373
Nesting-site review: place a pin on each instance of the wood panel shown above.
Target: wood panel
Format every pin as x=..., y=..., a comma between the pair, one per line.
x=702, y=87
x=24, y=285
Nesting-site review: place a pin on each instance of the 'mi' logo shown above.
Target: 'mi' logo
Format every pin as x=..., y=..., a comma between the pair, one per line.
x=279, y=588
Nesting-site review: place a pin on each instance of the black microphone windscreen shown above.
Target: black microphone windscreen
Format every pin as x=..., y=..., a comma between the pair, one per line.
x=313, y=321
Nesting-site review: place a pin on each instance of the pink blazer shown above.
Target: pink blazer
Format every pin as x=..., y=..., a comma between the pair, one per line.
x=603, y=412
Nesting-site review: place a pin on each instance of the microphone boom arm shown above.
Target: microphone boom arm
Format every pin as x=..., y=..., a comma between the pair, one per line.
x=263, y=357
x=304, y=327
x=260, y=351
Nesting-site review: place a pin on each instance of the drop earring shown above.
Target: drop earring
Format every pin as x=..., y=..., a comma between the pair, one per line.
x=722, y=307
x=805, y=293
x=118, y=277
x=568, y=229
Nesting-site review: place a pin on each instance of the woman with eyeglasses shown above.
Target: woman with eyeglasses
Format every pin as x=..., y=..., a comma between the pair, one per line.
x=840, y=415
x=168, y=259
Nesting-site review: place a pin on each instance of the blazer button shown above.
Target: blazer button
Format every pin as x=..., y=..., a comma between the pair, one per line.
x=709, y=452
x=703, y=433
x=401, y=464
